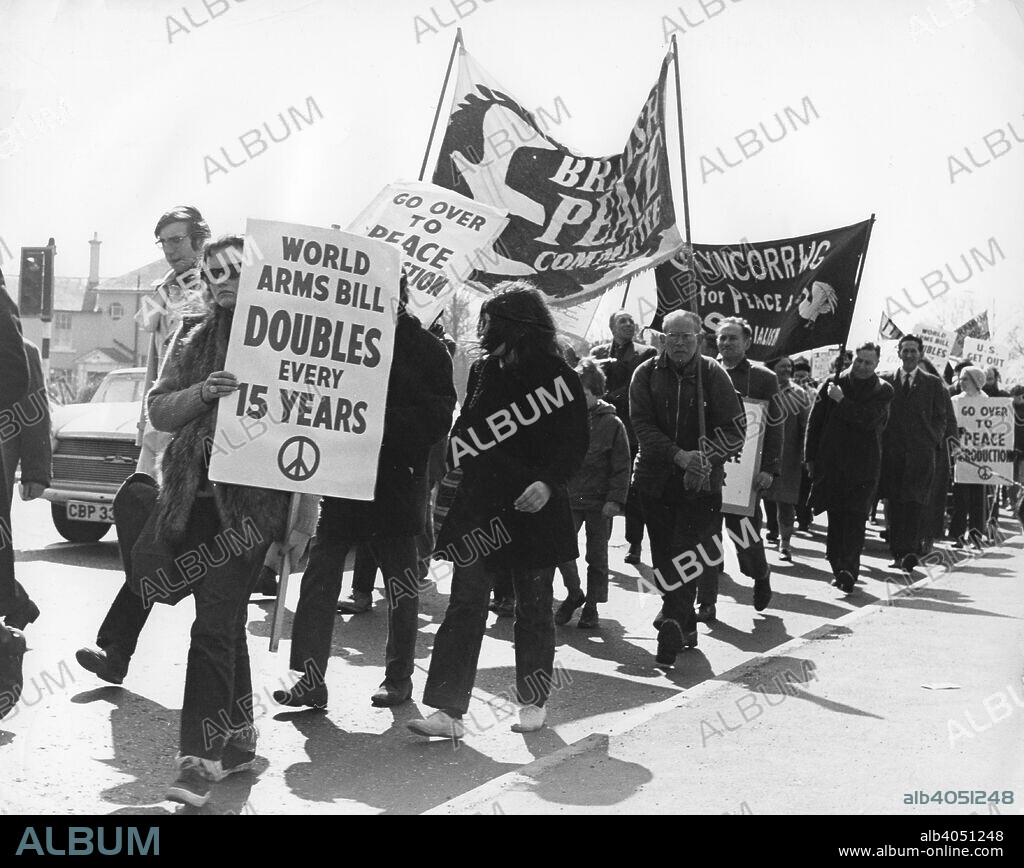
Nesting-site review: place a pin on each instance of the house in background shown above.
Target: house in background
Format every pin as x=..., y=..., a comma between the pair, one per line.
x=94, y=330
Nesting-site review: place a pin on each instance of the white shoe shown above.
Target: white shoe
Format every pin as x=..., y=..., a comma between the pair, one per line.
x=438, y=725
x=531, y=718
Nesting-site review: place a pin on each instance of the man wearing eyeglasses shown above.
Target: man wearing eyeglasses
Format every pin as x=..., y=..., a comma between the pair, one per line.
x=751, y=380
x=622, y=357
x=679, y=476
x=181, y=234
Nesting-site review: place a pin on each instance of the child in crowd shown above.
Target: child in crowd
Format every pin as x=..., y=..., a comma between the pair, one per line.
x=596, y=493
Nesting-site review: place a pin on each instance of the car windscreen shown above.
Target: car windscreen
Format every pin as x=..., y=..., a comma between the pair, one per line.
x=118, y=389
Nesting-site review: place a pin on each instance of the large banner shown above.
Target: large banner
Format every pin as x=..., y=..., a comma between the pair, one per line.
x=311, y=344
x=796, y=293
x=440, y=233
x=985, y=427
x=577, y=225
x=738, y=495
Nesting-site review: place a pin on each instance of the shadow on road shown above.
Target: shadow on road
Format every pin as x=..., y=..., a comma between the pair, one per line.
x=98, y=556
x=784, y=677
x=396, y=771
x=601, y=780
x=144, y=735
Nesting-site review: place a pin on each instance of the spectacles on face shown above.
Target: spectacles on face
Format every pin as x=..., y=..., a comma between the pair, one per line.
x=217, y=274
x=680, y=337
x=172, y=241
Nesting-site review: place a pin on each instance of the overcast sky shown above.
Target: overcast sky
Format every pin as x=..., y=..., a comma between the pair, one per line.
x=897, y=85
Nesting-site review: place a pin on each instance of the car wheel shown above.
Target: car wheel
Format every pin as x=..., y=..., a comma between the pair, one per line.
x=76, y=531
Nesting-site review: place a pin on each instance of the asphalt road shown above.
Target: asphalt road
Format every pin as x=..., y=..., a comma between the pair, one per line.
x=76, y=745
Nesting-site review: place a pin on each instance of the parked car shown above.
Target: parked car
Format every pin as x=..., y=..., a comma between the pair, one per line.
x=94, y=451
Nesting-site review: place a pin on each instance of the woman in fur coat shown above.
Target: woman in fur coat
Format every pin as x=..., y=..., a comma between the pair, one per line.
x=197, y=515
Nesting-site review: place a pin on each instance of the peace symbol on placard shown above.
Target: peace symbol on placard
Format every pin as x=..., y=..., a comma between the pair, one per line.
x=291, y=459
x=984, y=472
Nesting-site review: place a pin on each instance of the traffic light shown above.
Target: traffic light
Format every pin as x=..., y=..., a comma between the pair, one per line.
x=35, y=288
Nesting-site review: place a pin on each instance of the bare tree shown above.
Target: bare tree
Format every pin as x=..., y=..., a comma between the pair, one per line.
x=1014, y=339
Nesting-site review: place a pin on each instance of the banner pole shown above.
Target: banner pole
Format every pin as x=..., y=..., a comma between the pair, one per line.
x=682, y=142
x=277, y=623
x=701, y=424
x=856, y=292
x=440, y=100
x=152, y=368
x=625, y=292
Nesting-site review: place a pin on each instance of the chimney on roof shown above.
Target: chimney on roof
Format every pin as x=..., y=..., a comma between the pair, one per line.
x=94, y=260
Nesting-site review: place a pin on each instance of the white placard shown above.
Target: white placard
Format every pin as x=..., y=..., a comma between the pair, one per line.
x=821, y=364
x=441, y=234
x=985, y=353
x=937, y=344
x=738, y=495
x=311, y=345
x=985, y=428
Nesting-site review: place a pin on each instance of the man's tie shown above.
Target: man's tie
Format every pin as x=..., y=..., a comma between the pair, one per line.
x=906, y=385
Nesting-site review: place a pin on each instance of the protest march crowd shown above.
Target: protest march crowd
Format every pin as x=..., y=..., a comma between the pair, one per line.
x=539, y=449
x=340, y=375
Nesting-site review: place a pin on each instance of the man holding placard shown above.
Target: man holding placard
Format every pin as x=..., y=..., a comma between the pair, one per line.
x=751, y=380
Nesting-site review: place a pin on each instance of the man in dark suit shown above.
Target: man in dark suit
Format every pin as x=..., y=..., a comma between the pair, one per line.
x=751, y=380
x=621, y=358
x=844, y=457
x=917, y=422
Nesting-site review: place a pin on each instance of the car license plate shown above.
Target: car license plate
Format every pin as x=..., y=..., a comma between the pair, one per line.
x=81, y=511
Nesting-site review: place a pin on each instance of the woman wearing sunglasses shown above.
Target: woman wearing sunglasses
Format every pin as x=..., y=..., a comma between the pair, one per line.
x=217, y=732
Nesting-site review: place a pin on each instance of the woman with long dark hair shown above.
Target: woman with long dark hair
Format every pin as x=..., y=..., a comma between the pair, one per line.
x=197, y=515
x=521, y=435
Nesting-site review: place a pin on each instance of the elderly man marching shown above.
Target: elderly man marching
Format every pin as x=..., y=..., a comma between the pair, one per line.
x=679, y=477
